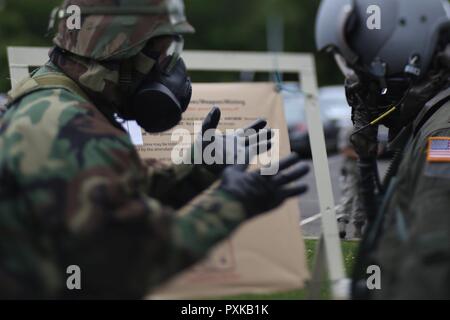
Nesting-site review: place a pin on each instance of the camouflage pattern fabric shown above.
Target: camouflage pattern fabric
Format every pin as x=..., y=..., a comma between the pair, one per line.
x=414, y=251
x=100, y=80
x=73, y=191
x=351, y=207
x=120, y=36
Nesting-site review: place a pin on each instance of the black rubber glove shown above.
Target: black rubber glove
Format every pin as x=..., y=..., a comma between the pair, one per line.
x=260, y=193
x=254, y=139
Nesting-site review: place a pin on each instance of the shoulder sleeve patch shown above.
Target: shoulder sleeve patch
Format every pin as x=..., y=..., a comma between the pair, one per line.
x=438, y=149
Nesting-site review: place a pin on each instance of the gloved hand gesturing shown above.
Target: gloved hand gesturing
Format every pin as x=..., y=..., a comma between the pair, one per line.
x=252, y=140
x=260, y=193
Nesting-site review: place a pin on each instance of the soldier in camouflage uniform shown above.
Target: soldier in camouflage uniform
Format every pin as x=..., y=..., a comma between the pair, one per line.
x=399, y=76
x=350, y=208
x=73, y=190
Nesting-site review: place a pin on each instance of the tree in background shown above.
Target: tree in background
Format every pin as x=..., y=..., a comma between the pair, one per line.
x=220, y=25
x=22, y=23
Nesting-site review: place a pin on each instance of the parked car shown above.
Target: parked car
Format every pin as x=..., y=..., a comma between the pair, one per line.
x=334, y=111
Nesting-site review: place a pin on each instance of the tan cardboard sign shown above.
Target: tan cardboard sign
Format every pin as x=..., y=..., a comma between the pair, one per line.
x=265, y=254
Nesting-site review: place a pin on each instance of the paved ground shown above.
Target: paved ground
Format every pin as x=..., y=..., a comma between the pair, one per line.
x=309, y=203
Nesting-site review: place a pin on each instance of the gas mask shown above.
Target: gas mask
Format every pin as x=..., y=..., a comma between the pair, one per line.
x=396, y=99
x=159, y=101
x=377, y=93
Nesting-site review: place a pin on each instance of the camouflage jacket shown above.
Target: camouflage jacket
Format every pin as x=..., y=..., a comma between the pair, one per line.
x=73, y=191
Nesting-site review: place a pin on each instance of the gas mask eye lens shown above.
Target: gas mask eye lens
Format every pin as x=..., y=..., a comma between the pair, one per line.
x=161, y=48
x=174, y=53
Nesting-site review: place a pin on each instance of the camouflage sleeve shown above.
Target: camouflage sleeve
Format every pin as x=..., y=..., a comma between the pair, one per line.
x=178, y=184
x=84, y=189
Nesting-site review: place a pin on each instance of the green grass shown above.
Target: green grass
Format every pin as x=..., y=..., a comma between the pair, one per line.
x=349, y=249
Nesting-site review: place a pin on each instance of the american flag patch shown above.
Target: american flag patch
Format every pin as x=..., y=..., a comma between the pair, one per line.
x=439, y=149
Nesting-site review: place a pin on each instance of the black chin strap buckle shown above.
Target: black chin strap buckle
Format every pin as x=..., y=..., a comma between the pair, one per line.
x=413, y=67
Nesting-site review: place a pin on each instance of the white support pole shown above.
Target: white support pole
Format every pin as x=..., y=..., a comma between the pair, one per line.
x=22, y=58
x=323, y=180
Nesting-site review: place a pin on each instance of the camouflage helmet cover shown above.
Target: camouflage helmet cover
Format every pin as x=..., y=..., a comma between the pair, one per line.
x=119, y=29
